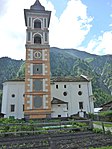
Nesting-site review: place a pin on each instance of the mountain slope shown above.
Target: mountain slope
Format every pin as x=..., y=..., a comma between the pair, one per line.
x=102, y=66
x=8, y=69
x=73, y=52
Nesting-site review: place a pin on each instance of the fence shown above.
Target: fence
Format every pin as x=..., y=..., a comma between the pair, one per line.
x=44, y=127
x=104, y=126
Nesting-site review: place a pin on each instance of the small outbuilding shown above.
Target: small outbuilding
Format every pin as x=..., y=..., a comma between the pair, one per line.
x=107, y=106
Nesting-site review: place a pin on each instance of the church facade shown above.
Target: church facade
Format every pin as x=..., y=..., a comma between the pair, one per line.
x=69, y=96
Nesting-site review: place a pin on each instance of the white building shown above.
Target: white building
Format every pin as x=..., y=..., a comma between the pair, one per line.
x=12, y=100
x=69, y=96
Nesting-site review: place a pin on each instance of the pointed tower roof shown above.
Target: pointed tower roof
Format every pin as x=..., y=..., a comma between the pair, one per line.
x=37, y=6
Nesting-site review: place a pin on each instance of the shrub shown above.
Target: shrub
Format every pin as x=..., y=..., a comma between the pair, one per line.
x=106, y=113
x=97, y=130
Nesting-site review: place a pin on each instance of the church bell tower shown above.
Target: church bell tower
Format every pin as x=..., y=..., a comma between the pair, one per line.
x=37, y=72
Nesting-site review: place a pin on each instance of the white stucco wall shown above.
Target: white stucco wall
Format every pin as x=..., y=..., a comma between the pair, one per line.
x=4, y=99
x=59, y=109
x=72, y=98
x=16, y=88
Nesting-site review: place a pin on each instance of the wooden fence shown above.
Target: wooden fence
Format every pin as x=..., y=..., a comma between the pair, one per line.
x=44, y=127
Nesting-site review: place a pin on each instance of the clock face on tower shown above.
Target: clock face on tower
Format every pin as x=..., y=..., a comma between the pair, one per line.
x=37, y=55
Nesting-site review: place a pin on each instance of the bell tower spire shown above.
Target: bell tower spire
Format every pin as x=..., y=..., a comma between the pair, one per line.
x=37, y=6
x=37, y=72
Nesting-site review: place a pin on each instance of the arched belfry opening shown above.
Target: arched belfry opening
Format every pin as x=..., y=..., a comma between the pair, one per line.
x=37, y=39
x=37, y=23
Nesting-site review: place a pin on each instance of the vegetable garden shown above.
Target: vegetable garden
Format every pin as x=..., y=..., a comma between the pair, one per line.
x=50, y=135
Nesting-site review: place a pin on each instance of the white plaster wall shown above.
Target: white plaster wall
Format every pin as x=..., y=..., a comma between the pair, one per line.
x=18, y=89
x=59, y=109
x=4, y=99
x=91, y=102
x=73, y=99
x=90, y=88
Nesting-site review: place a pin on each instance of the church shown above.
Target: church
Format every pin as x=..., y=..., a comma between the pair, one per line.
x=39, y=96
x=69, y=96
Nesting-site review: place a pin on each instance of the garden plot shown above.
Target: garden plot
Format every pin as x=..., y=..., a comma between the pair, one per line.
x=57, y=140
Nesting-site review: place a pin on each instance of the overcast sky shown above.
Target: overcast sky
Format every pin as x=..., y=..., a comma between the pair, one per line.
x=80, y=24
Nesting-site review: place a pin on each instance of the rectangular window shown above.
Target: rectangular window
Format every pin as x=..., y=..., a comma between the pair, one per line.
x=57, y=86
x=29, y=22
x=67, y=106
x=37, y=85
x=28, y=36
x=37, y=69
x=45, y=22
x=59, y=115
x=12, y=108
x=80, y=105
x=79, y=86
x=46, y=37
x=64, y=86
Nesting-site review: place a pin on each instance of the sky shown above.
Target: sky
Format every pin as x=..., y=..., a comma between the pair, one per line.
x=85, y=25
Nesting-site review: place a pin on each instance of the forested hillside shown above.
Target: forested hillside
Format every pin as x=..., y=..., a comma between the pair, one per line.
x=8, y=69
x=70, y=62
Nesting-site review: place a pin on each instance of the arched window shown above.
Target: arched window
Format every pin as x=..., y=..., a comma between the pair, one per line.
x=37, y=39
x=37, y=24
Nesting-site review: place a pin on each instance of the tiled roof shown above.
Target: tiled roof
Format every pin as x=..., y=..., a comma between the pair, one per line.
x=59, y=79
x=16, y=80
x=70, y=79
x=106, y=104
x=58, y=101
